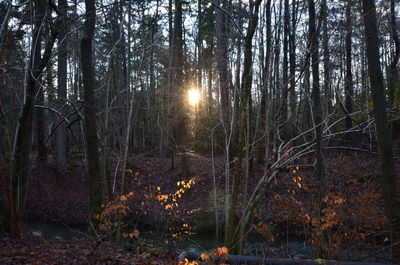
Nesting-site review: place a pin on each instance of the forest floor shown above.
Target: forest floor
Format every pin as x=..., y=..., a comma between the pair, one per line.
x=160, y=200
x=34, y=250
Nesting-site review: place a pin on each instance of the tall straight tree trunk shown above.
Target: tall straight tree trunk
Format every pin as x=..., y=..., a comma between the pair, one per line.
x=179, y=91
x=349, y=75
x=315, y=93
x=262, y=147
x=210, y=102
x=40, y=133
x=170, y=97
x=317, y=114
x=5, y=149
x=199, y=46
x=327, y=60
x=285, y=67
x=222, y=62
x=235, y=94
x=247, y=78
x=3, y=30
x=5, y=138
x=89, y=86
x=306, y=93
x=383, y=134
x=292, y=76
x=21, y=157
x=61, y=153
x=277, y=52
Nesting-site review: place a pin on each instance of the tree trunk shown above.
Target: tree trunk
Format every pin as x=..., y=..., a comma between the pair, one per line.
x=90, y=110
x=5, y=138
x=317, y=114
x=179, y=105
x=384, y=137
x=349, y=76
x=393, y=73
x=3, y=29
x=61, y=154
x=292, y=76
x=262, y=147
x=285, y=66
x=222, y=63
x=247, y=79
x=199, y=47
x=5, y=144
x=327, y=60
x=40, y=133
x=21, y=157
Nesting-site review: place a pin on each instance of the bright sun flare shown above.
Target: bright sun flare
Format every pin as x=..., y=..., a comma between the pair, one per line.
x=194, y=96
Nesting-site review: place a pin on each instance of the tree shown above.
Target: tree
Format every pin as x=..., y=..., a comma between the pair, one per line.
x=263, y=146
x=317, y=114
x=292, y=77
x=285, y=78
x=40, y=132
x=326, y=55
x=222, y=62
x=89, y=85
x=383, y=134
x=61, y=153
x=179, y=111
x=247, y=79
x=349, y=75
x=21, y=157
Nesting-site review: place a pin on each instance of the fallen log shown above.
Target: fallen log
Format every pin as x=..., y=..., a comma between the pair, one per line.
x=239, y=259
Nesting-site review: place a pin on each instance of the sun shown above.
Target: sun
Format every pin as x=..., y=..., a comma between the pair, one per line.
x=193, y=96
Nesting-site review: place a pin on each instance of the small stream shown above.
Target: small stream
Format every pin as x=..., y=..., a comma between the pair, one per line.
x=50, y=230
x=198, y=243
x=195, y=243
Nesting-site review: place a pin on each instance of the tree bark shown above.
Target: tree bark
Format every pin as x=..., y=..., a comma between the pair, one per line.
x=292, y=76
x=317, y=114
x=383, y=134
x=262, y=147
x=327, y=60
x=247, y=79
x=349, y=75
x=222, y=63
x=21, y=158
x=285, y=67
x=40, y=133
x=61, y=154
x=393, y=73
x=90, y=110
x=179, y=105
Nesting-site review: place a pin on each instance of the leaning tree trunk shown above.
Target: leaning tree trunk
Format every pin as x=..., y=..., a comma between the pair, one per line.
x=89, y=86
x=383, y=134
x=21, y=157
